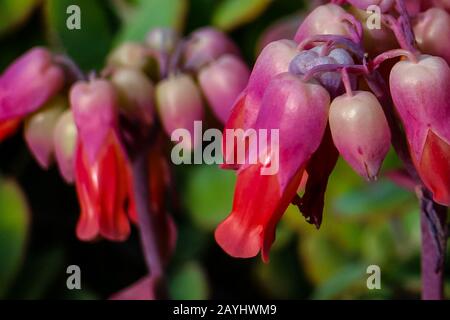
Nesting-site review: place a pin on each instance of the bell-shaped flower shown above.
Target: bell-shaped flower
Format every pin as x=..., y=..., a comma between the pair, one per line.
x=206, y=45
x=179, y=104
x=162, y=39
x=420, y=90
x=222, y=82
x=29, y=83
x=432, y=31
x=102, y=174
x=326, y=19
x=136, y=94
x=273, y=60
x=295, y=112
x=131, y=55
x=360, y=132
x=38, y=130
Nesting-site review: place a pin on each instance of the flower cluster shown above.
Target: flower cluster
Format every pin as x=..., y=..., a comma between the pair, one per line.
x=96, y=127
x=327, y=95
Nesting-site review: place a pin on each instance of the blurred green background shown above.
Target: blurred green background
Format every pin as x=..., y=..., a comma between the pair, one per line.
x=364, y=224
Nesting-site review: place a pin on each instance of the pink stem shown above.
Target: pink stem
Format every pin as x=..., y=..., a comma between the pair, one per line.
x=147, y=224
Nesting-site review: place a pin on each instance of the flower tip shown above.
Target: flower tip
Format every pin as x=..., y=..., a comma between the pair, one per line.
x=235, y=240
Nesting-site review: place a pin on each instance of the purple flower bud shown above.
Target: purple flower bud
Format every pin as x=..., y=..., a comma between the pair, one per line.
x=94, y=105
x=307, y=60
x=222, y=81
x=136, y=94
x=39, y=129
x=28, y=83
x=432, y=31
x=130, y=54
x=179, y=104
x=162, y=39
x=206, y=45
x=326, y=19
x=360, y=132
x=384, y=5
x=65, y=141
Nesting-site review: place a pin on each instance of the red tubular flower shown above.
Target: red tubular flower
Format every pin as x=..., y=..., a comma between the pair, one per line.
x=105, y=192
x=260, y=200
x=102, y=173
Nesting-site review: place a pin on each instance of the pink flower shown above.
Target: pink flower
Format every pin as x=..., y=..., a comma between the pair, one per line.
x=206, y=45
x=360, y=132
x=325, y=19
x=221, y=82
x=260, y=200
x=28, y=83
x=179, y=104
x=273, y=60
x=422, y=97
x=432, y=31
x=102, y=173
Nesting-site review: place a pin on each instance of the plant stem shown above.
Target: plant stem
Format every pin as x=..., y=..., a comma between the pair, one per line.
x=147, y=224
x=434, y=242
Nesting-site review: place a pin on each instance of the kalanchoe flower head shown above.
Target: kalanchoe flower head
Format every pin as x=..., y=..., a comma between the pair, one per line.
x=432, y=31
x=28, y=83
x=136, y=94
x=422, y=98
x=162, y=39
x=129, y=54
x=360, y=132
x=222, y=81
x=206, y=45
x=179, y=104
x=260, y=200
x=384, y=5
x=308, y=59
x=326, y=19
x=65, y=140
x=94, y=105
x=39, y=129
x=273, y=60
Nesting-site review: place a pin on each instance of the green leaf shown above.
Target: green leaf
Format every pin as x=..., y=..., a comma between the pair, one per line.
x=14, y=12
x=14, y=223
x=39, y=274
x=343, y=280
x=209, y=195
x=150, y=14
x=382, y=196
x=320, y=256
x=87, y=46
x=189, y=283
x=231, y=14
